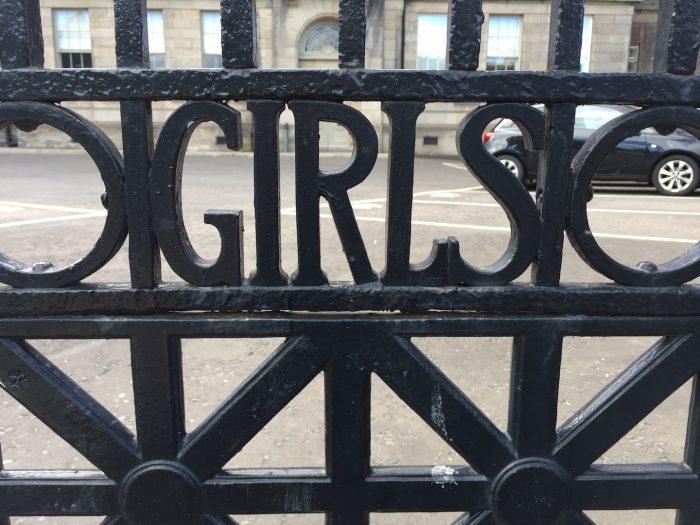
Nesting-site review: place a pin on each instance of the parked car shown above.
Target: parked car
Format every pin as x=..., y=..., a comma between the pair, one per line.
x=671, y=162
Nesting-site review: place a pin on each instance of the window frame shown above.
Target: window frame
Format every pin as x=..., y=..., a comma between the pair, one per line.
x=157, y=59
x=490, y=58
x=441, y=59
x=78, y=57
x=210, y=60
x=636, y=48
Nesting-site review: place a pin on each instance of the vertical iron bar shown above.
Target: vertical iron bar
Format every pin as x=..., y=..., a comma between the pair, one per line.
x=534, y=392
x=239, y=41
x=677, y=37
x=565, y=35
x=131, y=29
x=21, y=41
x=156, y=363
x=552, y=190
x=266, y=174
x=692, y=451
x=351, y=41
x=464, y=34
x=131, y=32
x=348, y=400
x=566, y=30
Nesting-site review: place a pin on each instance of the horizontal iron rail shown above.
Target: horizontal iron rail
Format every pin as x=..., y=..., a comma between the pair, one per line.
x=193, y=325
x=428, y=86
x=514, y=298
x=388, y=489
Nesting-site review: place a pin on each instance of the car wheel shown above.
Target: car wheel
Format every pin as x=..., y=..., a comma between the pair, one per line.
x=514, y=165
x=676, y=175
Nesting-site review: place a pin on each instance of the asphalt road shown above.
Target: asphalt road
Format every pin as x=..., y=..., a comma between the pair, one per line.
x=50, y=211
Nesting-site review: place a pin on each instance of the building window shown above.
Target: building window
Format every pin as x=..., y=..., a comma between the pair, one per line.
x=586, y=40
x=432, y=42
x=211, y=39
x=503, y=50
x=633, y=59
x=156, y=39
x=73, y=45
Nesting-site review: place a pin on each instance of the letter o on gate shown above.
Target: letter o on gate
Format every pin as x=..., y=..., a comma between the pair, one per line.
x=110, y=165
x=584, y=166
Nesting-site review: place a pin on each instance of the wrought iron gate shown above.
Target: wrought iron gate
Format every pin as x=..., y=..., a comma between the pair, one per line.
x=534, y=473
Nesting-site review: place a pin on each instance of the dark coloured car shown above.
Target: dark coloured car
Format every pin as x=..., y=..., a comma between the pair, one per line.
x=671, y=162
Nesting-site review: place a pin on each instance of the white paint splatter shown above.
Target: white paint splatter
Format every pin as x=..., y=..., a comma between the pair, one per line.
x=443, y=475
x=436, y=413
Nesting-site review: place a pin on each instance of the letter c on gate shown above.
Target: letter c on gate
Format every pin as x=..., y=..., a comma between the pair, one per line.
x=584, y=166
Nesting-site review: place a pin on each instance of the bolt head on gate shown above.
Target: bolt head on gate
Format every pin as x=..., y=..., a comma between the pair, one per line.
x=161, y=492
x=531, y=491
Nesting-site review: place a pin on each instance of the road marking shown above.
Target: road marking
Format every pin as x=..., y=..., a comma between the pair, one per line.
x=53, y=219
x=47, y=207
x=367, y=206
x=324, y=204
x=76, y=213
x=633, y=196
x=645, y=238
x=292, y=211
x=445, y=195
x=10, y=209
x=597, y=210
x=459, y=203
x=478, y=227
x=456, y=166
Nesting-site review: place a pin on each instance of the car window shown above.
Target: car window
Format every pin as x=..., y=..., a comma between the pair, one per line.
x=592, y=117
x=504, y=124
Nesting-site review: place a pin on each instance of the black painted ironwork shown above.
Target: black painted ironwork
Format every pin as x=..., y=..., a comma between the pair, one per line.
x=535, y=473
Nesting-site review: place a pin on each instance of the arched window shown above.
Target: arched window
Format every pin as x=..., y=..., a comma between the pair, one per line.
x=318, y=48
x=318, y=45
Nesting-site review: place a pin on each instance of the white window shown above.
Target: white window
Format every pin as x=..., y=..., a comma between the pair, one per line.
x=211, y=39
x=586, y=43
x=503, y=48
x=432, y=42
x=73, y=43
x=156, y=38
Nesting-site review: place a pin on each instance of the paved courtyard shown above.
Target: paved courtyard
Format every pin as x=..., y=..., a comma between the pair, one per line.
x=50, y=210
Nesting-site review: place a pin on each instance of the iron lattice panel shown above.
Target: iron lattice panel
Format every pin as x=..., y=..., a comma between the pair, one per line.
x=532, y=474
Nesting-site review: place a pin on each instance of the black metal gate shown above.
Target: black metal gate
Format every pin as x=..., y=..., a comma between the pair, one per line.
x=534, y=473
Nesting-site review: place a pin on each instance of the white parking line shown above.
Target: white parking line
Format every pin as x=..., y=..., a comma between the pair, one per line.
x=597, y=210
x=324, y=204
x=645, y=238
x=53, y=219
x=644, y=197
x=455, y=166
x=477, y=227
x=47, y=207
x=76, y=213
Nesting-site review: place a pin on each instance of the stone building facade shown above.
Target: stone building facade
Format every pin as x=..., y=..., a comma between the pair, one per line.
x=643, y=37
x=303, y=33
